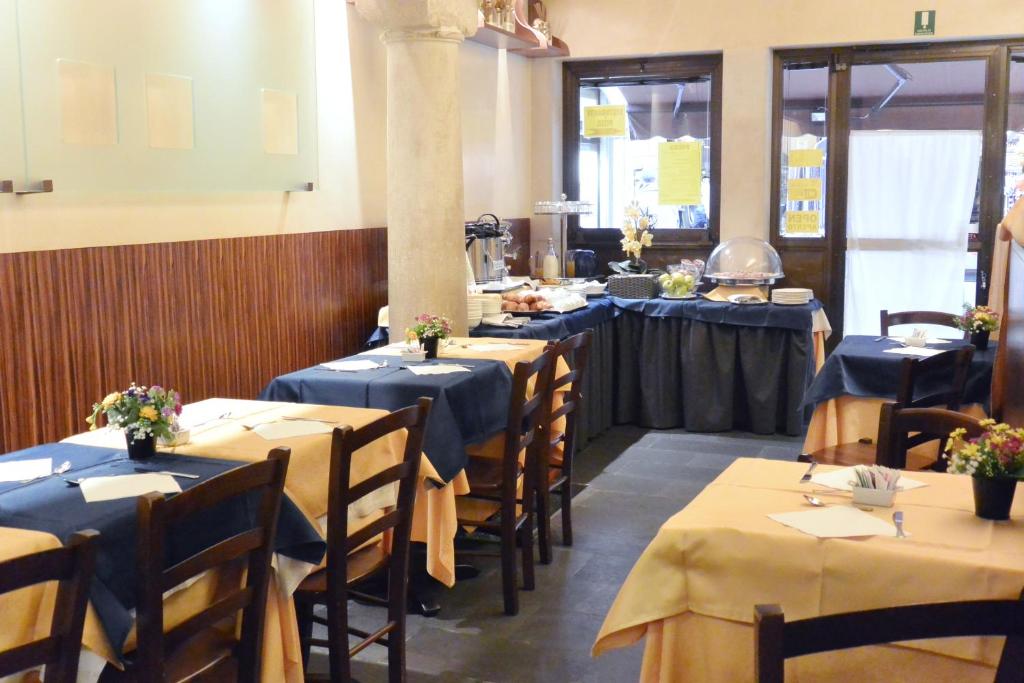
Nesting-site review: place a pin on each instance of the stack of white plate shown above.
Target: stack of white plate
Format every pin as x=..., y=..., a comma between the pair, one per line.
x=475, y=311
x=791, y=296
x=490, y=303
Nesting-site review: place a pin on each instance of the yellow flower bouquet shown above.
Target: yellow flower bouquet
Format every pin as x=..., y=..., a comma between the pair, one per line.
x=144, y=413
x=637, y=233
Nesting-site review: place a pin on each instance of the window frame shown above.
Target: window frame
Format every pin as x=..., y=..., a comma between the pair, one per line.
x=633, y=71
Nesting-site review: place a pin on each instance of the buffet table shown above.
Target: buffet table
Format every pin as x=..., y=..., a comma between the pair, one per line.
x=721, y=555
x=712, y=366
x=704, y=365
x=859, y=376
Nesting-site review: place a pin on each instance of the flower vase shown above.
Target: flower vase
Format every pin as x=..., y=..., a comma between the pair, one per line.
x=140, y=449
x=993, y=496
x=980, y=340
x=429, y=345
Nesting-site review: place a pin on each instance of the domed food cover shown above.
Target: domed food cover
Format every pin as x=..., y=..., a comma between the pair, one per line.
x=744, y=261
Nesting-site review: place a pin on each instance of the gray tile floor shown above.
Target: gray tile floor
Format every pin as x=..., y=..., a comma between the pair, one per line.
x=632, y=480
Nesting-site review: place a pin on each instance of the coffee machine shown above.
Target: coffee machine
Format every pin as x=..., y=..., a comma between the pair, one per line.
x=486, y=239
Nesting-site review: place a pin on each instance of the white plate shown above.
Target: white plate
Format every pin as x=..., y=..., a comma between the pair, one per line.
x=740, y=300
x=791, y=303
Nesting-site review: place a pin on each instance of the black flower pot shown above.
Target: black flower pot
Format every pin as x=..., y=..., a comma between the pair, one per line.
x=140, y=449
x=429, y=345
x=993, y=496
x=980, y=340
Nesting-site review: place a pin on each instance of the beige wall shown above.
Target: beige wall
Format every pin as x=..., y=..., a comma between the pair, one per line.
x=351, y=131
x=746, y=31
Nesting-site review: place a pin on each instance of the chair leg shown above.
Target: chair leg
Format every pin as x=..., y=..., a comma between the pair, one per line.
x=509, y=589
x=544, y=524
x=526, y=541
x=304, y=617
x=337, y=637
x=396, y=654
x=566, y=492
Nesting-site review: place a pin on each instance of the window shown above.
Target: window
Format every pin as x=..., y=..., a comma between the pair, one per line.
x=645, y=130
x=804, y=146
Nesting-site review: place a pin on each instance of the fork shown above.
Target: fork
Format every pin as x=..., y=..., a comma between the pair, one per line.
x=897, y=519
x=810, y=471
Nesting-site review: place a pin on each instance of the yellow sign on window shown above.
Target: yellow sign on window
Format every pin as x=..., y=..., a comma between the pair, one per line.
x=803, y=190
x=679, y=172
x=806, y=158
x=604, y=121
x=803, y=222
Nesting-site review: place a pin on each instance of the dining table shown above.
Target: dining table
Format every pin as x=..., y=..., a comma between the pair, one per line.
x=722, y=554
x=863, y=372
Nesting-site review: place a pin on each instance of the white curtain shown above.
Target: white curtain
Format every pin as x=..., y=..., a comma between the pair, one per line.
x=909, y=203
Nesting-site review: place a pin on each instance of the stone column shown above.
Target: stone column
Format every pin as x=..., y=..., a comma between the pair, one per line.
x=425, y=213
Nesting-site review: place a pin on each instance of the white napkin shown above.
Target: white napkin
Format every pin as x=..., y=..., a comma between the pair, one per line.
x=351, y=365
x=496, y=346
x=500, y=320
x=20, y=470
x=914, y=351
x=96, y=489
x=289, y=429
x=840, y=480
x=436, y=369
x=835, y=521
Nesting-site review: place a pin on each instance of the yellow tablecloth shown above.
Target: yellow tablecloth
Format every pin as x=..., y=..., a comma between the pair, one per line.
x=721, y=555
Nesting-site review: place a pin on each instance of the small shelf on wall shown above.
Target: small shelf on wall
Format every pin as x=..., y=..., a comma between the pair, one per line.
x=557, y=48
x=500, y=39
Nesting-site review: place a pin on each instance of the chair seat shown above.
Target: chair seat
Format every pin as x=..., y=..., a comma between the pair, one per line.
x=361, y=564
x=850, y=454
x=484, y=475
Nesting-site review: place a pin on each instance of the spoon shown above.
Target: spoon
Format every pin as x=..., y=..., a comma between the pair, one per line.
x=819, y=503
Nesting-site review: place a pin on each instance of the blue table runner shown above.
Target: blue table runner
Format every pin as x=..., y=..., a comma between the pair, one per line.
x=52, y=506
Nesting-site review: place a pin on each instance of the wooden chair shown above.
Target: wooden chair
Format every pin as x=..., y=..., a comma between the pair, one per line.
x=776, y=640
x=204, y=647
x=354, y=557
x=1007, y=399
x=900, y=429
x=917, y=318
x=497, y=480
x=953, y=365
x=73, y=567
x=556, y=461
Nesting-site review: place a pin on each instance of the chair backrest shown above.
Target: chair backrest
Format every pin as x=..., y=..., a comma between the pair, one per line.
x=159, y=516
x=916, y=318
x=397, y=520
x=902, y=428
x=72, y=566
x=776, y=640
x=575, y=351
x=1007, y=401
x=527, y=420
x=952, y=366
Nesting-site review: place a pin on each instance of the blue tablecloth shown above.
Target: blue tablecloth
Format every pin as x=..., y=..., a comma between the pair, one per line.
x=52, y=506
x=704, y=310
x=469, y=407
x=859, y=366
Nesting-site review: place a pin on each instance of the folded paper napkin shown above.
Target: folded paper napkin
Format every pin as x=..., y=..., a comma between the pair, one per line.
x=351, y=365
x=20, y=470
x=835, y=521
x=436, y=369
x=914, y=351
x=841, y=480
x=495, y=346
x=290, y=429
x=500, y=320
x=928, y=340
x=96, y=489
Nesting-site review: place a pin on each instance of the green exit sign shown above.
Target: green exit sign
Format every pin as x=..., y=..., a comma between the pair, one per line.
x=924, y=22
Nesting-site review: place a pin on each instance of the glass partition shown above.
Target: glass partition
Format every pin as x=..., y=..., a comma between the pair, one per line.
x=804, y=150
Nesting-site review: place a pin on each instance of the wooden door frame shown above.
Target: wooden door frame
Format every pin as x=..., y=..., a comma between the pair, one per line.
x=996, y=54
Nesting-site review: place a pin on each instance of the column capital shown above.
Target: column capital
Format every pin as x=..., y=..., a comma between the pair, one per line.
x=408, y=20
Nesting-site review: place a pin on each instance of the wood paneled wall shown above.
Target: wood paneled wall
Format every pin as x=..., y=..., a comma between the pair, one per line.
x=209, y=318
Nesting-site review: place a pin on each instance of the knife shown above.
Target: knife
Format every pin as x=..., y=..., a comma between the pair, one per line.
x=170, y=474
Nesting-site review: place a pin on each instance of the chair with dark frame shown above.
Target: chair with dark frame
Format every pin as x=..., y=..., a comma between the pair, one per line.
x=900, y=429
x=73, y=567
x=953, y=366
x=776, y=640
x=205, y=647
x=360, y=555
x=916, y=318
x=496, y=480
x=555, y=476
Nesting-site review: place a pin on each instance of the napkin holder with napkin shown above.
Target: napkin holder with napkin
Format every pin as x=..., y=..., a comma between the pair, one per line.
x=875, y=485
x=413, y=355
x=919, y=338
